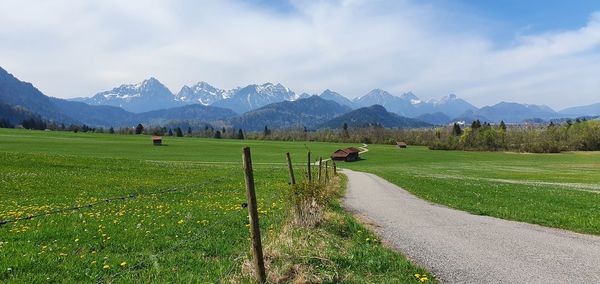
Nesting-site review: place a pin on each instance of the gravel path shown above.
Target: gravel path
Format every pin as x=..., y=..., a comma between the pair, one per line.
x=458, y=247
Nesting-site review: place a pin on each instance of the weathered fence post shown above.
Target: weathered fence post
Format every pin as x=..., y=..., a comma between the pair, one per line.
x=326, y=171
x=334, y=169
x=309, y=174
x=320, y=169
x=259, y=262
x=290, y=169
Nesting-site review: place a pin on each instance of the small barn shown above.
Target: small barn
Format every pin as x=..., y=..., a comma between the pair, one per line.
x=157, y=140
x=349, y=154
x=401, y=144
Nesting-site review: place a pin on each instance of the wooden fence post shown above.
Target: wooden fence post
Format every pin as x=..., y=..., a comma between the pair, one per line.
x=320, y=169
x=334, y=169
x=259, y=262
x=309, y=174
x=326, y=171
x=290, y=169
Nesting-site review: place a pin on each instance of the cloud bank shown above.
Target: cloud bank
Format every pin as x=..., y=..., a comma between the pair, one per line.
x=78, y=48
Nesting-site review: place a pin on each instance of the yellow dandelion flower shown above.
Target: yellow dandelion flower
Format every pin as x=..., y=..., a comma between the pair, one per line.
x=123, y=264
x=418, y=275
x=76, y=240
x=106, y=266
x=180, y=222
x=62, y=254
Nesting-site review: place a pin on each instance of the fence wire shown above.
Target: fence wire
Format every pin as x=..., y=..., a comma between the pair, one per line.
x=102, y=201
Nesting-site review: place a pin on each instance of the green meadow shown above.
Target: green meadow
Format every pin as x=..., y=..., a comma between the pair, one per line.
x=553, y=190
x=174, y=213
x=165, y=214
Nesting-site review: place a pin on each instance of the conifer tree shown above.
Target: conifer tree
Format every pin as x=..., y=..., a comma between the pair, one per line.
x=139, y=129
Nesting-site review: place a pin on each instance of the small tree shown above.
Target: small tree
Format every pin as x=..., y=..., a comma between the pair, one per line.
x=189, y=131
x=240, y=134
x=345, y=133
x=170, y=132
x=217, y=134
x=267, y=131
x=111, y=130
x=502, y=125
x=456, y=130
x=179, y=132
x=139, y=129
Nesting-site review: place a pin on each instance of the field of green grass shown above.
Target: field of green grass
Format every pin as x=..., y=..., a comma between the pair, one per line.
x=554, y=190
x=180, y=218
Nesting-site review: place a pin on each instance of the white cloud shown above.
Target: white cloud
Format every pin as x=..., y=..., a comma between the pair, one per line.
x=77, y=48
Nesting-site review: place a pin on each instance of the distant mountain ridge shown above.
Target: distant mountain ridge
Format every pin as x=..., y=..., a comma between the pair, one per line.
x=515, y=112
x=14, y=92
x=252, y=97
x=373, y=115
x=255, y=96
x=147, y=95
x=254, y=106
x=307, y=112
x=587, y=110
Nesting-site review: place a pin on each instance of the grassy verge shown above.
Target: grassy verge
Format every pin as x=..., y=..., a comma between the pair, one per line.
x=339, y=249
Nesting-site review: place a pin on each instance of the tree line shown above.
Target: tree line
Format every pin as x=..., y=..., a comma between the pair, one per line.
x=570, y=135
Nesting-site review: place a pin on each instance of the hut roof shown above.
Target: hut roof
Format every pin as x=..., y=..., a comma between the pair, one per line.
x=156, y=137
x=351, y=150
x=342, y=153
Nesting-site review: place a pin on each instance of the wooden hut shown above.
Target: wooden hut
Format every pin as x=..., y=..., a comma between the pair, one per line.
x=349, y=154
x=401, y=144
x=156, y=140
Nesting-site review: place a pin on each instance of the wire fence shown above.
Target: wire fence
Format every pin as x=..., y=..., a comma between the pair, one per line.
x=102, y=201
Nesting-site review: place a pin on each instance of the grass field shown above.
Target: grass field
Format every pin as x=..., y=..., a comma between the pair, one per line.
x=180, y=219
x=554, y=190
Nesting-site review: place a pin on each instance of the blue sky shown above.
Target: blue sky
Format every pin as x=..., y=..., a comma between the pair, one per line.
x=535, y=15
x=529, y=51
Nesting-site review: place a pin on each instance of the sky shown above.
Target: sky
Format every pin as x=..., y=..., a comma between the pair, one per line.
x=534, y=51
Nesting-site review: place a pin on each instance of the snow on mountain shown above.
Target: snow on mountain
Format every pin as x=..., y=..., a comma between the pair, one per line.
x=202, y=93
x=304, y=96
x=147, y=95
x=392, y=103
x=451, y=105
x=255, y=96
x=152, y=95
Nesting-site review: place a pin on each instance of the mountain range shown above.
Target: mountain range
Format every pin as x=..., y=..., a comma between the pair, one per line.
x=255, y=106
x=307, y=112
x=374, y=115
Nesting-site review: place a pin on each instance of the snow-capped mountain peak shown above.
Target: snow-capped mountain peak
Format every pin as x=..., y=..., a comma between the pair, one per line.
x=202, y=93
x=255, y=96
x=409, y=96
x=147, y=95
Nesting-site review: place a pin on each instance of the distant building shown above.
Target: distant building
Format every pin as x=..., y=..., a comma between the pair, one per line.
x=349, y=154
x=401, y=144
x=156, y=140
